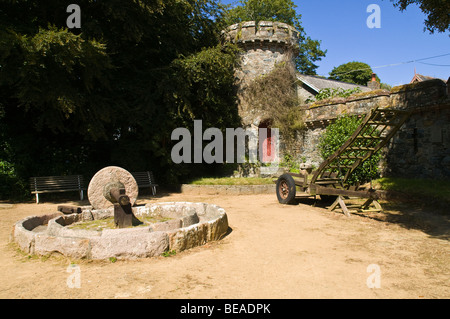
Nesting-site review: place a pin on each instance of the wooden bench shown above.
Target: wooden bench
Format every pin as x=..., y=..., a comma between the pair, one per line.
x=56, y=184
x=145, y=180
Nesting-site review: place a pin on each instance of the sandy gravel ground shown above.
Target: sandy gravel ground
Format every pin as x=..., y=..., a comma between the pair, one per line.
x=271, y=251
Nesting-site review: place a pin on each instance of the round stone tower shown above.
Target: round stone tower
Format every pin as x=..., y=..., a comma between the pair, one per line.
x=264, y=46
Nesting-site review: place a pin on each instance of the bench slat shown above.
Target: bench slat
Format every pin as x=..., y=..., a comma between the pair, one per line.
x=55, y=191
x=46, y=178
x=50, y=184
x=56, y=184
x=58, y=188
x=144, y=180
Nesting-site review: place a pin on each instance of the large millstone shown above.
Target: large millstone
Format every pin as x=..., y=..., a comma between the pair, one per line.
x=108, y=176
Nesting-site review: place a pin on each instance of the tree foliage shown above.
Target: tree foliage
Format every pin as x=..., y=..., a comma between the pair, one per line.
x=437, y=11
x=352, y=72
x=110, y=93
x=281, y=11
x=329, y=93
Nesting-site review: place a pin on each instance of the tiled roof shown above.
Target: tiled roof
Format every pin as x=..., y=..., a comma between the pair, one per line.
x=419, y=78
x=317, y=83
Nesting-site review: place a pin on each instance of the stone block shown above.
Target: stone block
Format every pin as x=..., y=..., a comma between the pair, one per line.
x=23, y=238
x=31, y=222
x=189, y=220
x=199, y=208
x=128, y=246
x=102, y=213
x=67, y=246
x=126, y=231
x=167, y=225
x=186, y=238
x=217, y=228
x=23, y=234
x=87, y=215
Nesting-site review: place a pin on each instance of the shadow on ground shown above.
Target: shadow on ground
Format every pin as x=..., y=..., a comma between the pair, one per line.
x=431, y=218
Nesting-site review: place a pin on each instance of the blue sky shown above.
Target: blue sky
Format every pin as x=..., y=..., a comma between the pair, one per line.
x=342, y=28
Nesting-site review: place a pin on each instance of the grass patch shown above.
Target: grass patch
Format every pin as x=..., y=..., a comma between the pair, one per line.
x=112, y=259
x=233, y=181
x=438, y=189
x=108, y=223
x=169, y=253
x=98, y=225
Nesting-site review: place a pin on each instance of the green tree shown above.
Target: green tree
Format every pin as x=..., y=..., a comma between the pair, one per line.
x=352, y=72
x=203, y=82
x=281, y=11
x=437, y=11
x=110, y=93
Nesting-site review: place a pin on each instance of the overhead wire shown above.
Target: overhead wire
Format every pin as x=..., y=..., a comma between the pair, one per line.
x=396, y=64
x=434, y=64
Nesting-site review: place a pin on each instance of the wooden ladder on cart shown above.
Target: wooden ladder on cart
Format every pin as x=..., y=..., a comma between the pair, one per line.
x=331, y=178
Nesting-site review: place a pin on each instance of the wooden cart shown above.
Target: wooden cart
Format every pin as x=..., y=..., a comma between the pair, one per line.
x=331, y=179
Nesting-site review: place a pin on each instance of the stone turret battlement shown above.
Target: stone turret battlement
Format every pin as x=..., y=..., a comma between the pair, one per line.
x=266, y=33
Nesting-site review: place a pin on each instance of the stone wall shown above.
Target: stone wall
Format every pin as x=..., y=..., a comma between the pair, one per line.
x=188, y=225
x=420, y=149
x=227, y=189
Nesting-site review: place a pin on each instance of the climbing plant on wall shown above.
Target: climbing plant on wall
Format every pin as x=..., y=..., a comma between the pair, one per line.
x=335, y=136
x=276, y=94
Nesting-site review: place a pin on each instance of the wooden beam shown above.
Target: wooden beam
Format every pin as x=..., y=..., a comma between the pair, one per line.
x=321, y=190
x=340, y=201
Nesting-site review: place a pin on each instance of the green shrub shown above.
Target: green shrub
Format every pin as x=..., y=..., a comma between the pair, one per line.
x=328, y=93
x=11, y=186
x=335, y=135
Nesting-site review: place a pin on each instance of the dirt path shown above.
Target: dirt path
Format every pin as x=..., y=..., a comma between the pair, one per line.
x=272, y=251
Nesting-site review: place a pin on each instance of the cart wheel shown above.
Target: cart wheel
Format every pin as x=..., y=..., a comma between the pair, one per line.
x=285, y=189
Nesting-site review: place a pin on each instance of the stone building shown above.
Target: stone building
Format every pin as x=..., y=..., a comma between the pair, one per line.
x=310, y=85
x=264, y=46
x=420, y=78
x=421, y=149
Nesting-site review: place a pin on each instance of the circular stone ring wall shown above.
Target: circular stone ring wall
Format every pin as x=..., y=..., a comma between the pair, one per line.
x=188, y=225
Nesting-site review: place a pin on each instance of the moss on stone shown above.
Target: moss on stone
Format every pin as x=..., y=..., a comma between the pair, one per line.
x=369, y=94
x=418, y=85
x=353, y=97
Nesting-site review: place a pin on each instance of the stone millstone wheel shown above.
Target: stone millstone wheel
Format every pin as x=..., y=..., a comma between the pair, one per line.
x=106, y=176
